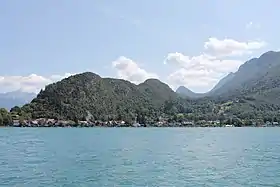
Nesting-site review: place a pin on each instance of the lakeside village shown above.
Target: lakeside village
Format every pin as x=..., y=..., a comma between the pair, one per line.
x=14, y=119
x=42, y=122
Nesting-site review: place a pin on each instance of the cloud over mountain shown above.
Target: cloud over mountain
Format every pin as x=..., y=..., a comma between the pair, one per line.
x=129, y=70
x=230, y=47
x=198, y=73
x=202, y=72
x=30, y=83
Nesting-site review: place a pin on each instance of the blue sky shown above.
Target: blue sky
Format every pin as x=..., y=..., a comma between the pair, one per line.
x=191, y=43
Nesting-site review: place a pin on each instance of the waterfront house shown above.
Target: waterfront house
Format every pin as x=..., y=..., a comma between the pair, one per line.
x=268, y=123
x=16, y=123
x=229, y=125
x=136, y=125
x=187, y=123
x=50, y=121
x=34, y=122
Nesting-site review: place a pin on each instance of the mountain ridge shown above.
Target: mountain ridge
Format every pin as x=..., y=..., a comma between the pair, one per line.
x=250, y=71
x=250, y=93
x=76, y=96
x=185, y=92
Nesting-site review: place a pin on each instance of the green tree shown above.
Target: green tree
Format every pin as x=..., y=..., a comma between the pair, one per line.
x=1, y=120
x=221, y=118
x=248, y=122
x=7, y=119
x=21, y=120
x=180, y=117
x=16, y=109
x=3, y=111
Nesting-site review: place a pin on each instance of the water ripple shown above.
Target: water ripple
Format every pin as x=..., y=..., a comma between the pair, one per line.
x=140, y=157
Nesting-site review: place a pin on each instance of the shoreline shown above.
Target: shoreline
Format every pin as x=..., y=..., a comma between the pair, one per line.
x=140, y=127
x=52, y=123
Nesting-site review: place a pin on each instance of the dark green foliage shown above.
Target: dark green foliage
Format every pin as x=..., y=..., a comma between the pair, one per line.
x=87, y=94
x=1, y=120
x=5, y=117
x=15, y=109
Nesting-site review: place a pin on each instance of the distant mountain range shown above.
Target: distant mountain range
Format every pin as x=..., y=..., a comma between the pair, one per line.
x=15, y=98
x=185, y=92
x=253, y=92
x=255, y=77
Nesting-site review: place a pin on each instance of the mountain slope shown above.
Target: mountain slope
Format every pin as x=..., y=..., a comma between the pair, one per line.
x=221, y=83
x=15, y=98
x=156, y=91
x=87, y=94
x=183, y=91
x=254, y=75
x=254, y=89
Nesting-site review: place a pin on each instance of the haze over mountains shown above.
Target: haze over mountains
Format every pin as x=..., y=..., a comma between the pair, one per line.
x=11, y=99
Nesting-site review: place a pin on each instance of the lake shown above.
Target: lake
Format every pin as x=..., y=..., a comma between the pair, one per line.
x=132, y=157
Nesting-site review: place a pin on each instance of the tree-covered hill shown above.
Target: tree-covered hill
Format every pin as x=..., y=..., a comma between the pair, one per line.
x=250, y=93
x=87, y=95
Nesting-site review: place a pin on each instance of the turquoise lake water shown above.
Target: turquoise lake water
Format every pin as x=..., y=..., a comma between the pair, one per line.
x=126, y=157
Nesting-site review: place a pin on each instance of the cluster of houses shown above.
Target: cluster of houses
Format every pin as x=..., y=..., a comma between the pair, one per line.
x=269, y=124
x=42, y=122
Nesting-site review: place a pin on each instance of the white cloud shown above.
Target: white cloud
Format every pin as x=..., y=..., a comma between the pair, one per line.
x=199, y=73
x=202, y=72
x=230, y=47
x=129, y=70
x=30, y=83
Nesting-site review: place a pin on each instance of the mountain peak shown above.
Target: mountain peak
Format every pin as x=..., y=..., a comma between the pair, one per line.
x=155, y=82
x=87, y=75
x=183, y=91
x=252, y=72
x=89, y=93
x=269, y=53
x=152, y=80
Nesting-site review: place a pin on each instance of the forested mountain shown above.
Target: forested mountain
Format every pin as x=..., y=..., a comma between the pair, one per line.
x=255, y=86
x=88, y=95
x=221, y=83
x=253, y=92
x=254, y=75
x=250, y=93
